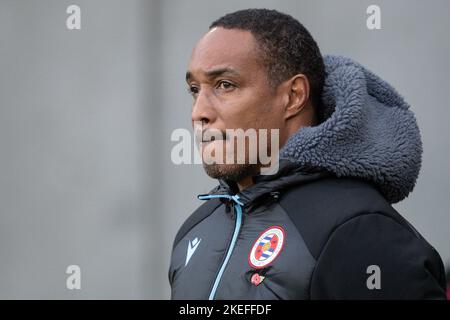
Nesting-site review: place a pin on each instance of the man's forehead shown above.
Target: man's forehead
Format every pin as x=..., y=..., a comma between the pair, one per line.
x=220, y=47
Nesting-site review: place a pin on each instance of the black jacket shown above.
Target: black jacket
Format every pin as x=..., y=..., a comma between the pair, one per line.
x=335, y=229
x=323, y=226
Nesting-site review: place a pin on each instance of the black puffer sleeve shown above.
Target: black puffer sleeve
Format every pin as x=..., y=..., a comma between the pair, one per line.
x=373, y=256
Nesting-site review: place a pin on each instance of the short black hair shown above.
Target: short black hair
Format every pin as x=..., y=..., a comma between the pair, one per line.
x=286, y=46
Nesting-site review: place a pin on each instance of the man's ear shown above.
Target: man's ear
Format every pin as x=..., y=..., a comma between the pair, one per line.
x=298, y=92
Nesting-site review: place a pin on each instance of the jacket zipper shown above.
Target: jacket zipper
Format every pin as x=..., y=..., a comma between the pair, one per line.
x=238, y=209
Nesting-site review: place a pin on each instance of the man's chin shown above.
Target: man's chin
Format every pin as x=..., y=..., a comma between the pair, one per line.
x=231, y=172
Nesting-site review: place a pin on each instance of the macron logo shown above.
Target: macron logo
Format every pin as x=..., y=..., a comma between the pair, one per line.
x=192, y=246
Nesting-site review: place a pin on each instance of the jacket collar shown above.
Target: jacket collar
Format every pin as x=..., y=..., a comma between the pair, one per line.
x=289, y=174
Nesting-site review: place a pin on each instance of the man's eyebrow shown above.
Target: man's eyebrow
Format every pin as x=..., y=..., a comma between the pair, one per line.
x=214, y=73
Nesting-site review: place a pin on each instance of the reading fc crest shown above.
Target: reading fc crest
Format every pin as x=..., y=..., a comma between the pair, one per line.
x=267, y=247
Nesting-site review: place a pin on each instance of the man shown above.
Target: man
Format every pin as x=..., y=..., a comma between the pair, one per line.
x=321, y=226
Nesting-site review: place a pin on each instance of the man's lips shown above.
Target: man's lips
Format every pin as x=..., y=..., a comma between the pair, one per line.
x=213, y=136
x=213, y=139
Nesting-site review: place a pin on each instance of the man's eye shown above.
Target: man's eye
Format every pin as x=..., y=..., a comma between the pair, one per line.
x=225, y=85
x=193, y=90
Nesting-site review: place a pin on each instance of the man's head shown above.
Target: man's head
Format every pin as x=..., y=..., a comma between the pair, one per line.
x=255, y=69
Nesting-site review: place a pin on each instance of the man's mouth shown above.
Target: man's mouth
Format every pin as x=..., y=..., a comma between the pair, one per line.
x=211, y=138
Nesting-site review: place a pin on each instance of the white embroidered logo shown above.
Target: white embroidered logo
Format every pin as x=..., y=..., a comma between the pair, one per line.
x=192, y=246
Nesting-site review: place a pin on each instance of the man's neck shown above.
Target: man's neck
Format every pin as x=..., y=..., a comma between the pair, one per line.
x=245, y=183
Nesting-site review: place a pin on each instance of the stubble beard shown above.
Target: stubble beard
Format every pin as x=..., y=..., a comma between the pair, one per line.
x=231, y=172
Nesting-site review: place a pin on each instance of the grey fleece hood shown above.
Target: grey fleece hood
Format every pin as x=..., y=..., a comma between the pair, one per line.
x=368, y=132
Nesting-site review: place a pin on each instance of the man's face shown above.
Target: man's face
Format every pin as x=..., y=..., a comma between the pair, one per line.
x=231, y=91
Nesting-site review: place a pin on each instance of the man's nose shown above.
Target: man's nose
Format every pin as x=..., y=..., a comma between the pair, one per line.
x=203, y=109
